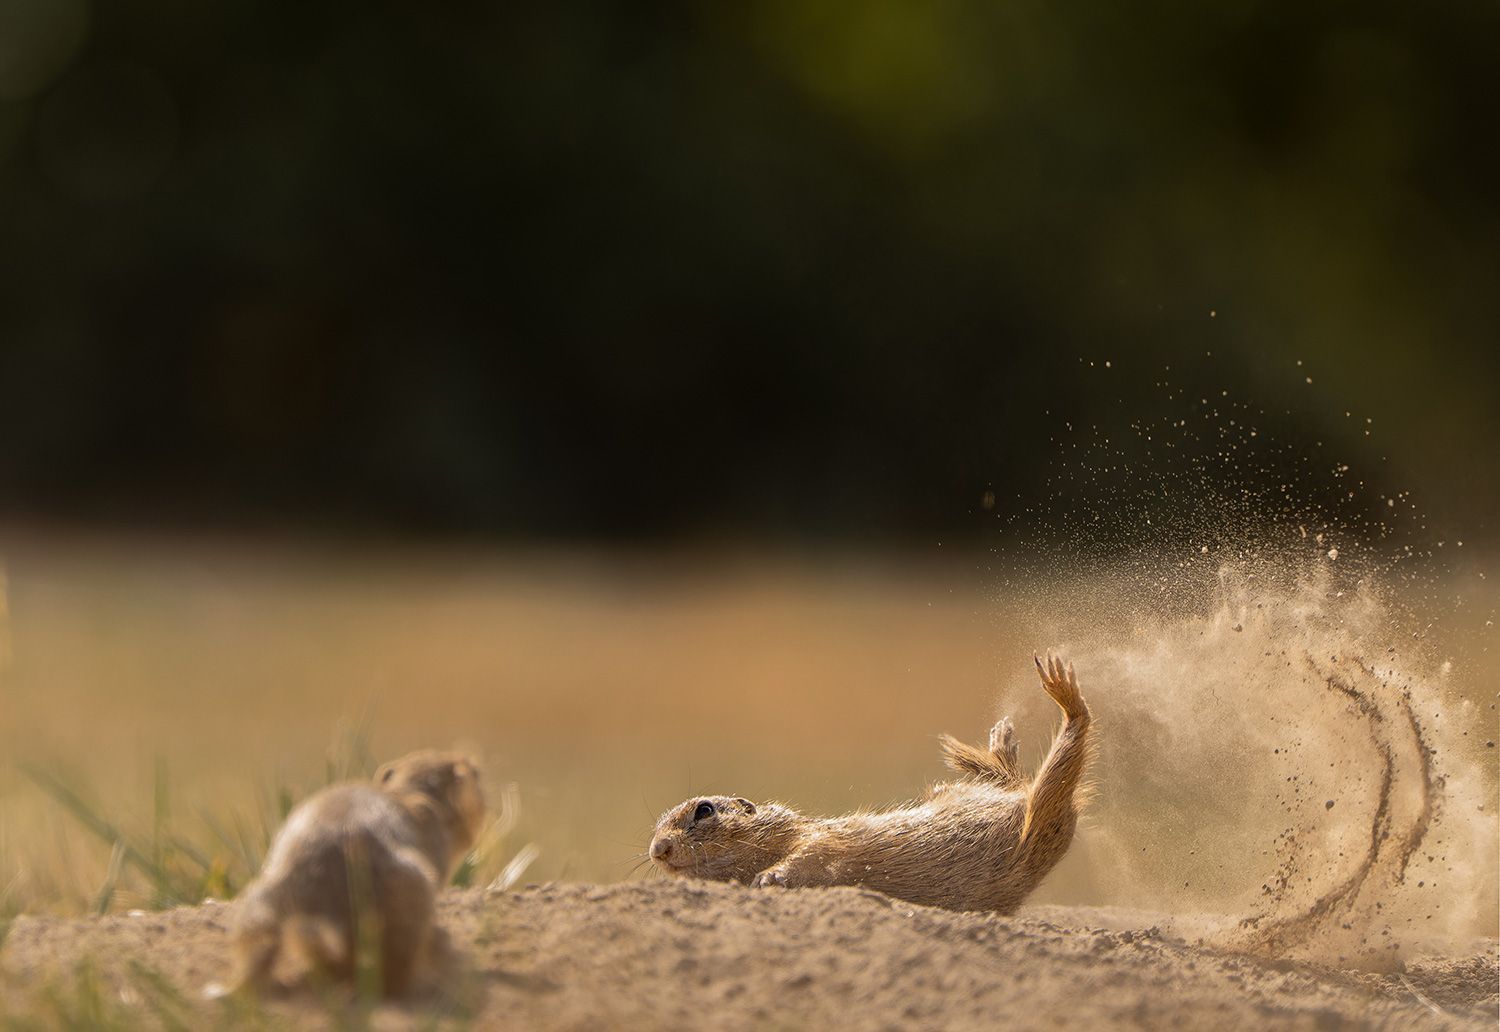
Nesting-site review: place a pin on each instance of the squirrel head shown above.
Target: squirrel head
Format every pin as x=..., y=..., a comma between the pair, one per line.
x=450, y=781
x=721, y=838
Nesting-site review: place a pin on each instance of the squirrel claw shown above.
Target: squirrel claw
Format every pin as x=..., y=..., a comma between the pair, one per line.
x=770, y=880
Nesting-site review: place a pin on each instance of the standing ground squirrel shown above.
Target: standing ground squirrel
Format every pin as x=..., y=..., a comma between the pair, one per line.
x=360, y=861
x=982, y=842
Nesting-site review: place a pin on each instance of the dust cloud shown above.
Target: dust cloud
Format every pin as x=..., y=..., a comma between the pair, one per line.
x=1274, y=771
x=1296, y=720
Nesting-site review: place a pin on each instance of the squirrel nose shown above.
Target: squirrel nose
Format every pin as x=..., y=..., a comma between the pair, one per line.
x=660, y=848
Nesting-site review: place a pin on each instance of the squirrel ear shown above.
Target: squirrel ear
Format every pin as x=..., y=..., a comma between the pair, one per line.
x=747, y=804
x=384, y=773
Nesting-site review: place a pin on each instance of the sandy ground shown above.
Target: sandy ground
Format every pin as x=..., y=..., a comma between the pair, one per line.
x=662, y=955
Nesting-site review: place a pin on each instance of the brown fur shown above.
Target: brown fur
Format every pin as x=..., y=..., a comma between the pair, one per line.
x=982, y=842
x=360, y=861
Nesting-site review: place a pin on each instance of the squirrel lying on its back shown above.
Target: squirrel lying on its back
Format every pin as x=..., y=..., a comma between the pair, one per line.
x=982, y=842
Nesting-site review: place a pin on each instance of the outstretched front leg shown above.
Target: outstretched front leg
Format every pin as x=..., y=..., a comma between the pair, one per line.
x=1050, y=809
x=797, y=871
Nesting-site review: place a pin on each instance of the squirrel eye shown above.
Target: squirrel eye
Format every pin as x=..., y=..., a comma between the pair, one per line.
x=704, y=812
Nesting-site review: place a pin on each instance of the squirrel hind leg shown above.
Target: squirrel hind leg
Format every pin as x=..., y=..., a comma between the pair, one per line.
x=1052, y=806
x=257, y=945
x=1006, y=751
x=1003, y=743
x=1061, y=685
x=998, y=765
x=323, y=945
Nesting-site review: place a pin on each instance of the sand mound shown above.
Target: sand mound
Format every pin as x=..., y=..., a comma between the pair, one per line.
x=677, y=955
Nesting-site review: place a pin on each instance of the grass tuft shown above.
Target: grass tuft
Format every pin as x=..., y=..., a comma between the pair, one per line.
x=168, y=863
x=160, y=877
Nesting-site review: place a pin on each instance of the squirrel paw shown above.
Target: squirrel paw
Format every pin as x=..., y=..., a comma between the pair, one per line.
x=1060, y=683
x=770, y=879
x=1003, y=740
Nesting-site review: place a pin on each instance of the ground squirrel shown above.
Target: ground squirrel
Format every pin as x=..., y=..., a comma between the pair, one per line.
x=359, y=852
x=981, y=842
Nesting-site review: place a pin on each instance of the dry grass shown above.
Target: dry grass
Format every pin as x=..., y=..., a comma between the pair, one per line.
x=165, y=703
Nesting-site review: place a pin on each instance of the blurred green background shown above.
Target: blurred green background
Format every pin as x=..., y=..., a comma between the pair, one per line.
x=786, y=269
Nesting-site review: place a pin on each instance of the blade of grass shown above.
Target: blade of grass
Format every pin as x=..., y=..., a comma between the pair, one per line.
x=513, y=871
x=104, y=829
x=237, y=844
x=111, y=879
x=171, y=1009
x=160, y=813
x=214, y=877
x=510, y=810
x=481, y=860
x=192, y=852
